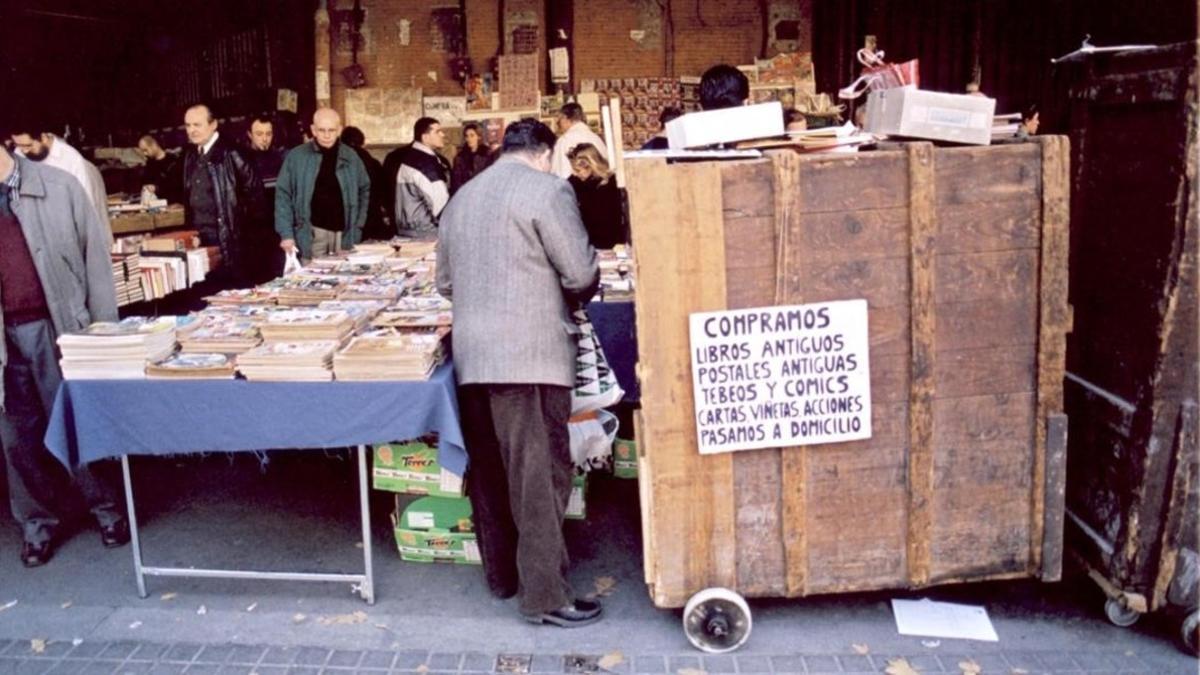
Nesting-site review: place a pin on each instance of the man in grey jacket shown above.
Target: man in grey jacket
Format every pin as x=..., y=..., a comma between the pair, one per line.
x=514, y=256
x=55, y=278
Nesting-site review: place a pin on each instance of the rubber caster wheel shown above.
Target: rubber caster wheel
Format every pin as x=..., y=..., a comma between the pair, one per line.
x=1120, y=615
x=1189, y=632
x=717, y=620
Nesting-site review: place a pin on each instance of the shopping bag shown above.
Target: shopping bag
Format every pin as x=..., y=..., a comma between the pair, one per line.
x=878, y=74
x=291, y=263
x=596, y=385
x=592, y=438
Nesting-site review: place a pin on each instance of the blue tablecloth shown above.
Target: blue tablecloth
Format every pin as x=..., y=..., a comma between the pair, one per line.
x=94, y=419
x=616, y=326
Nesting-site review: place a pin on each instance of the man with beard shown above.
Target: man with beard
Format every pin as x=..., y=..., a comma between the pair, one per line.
x=323, y=193
x=34, y=142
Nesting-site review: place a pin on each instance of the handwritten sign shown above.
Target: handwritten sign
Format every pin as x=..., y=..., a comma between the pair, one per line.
x=775, y=377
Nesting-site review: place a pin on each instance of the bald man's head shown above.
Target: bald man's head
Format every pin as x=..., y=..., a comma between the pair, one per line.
x=326, y=127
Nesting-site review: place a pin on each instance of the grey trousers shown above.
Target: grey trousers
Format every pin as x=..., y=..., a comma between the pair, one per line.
x=37, y=482
x=326, y=242
x=519, y=481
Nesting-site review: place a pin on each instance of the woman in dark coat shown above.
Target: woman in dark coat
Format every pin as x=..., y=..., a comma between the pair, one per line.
x=599, y=198
x=472, y=157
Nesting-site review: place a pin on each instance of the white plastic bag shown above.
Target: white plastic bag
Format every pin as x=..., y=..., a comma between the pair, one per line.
x=291, y=263
x=592, y=441
x=596, y=384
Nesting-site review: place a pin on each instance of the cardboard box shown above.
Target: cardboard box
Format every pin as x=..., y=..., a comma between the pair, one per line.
x=727, y=125
x=413, y=468
x=625, y=458
x=436, y=529
x=577, y=502
x=911, y=112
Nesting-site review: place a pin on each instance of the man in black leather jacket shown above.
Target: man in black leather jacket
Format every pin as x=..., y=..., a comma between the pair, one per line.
x=222, y=195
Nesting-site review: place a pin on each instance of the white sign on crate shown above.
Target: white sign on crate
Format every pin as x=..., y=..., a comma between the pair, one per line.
x=774, y=377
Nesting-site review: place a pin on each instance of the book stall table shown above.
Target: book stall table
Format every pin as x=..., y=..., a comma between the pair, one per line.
x=98, y=419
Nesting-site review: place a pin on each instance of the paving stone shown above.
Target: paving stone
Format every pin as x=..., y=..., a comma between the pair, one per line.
x=581, y=663
x=546, y=663
x=87, y=650
x=753, y=664
x=678, y=663
x=925, y=663
x=818, y=663
x=477, y=662
x=202, y=669
x=856, y=663
x=409, y=659
x=649, y=664
x=217, y=654
x=4, y=644
x=66, y=667
x=787, y=664
x=1057, y=661
x=337, y=671
x=377, y=659
x=270, y=670
x=280, y=656
x=33, y=667
x=8, y=664
x=720, y=664
x=988, y=663
x=245, y=654
x=369, y=671
x=513, y=663
x=134, y=668
x=182, y=652
x=443, y=661
x=1098, y=661
x=166, y=668
x=119, y=650
x=344, y=658
x=304, y=670
x=312, y=656
x=99, y=667
x=236, y=669
x=149, y=652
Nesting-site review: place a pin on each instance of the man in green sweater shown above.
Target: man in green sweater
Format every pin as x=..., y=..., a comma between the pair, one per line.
x=322, y=194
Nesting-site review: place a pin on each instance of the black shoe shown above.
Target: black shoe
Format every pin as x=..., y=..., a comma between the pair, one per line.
x=574, y=615
x=503, y=593
x=115, y=535
x=36, y=555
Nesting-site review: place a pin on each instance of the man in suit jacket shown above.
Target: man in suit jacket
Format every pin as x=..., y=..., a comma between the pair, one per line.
x=514, y=256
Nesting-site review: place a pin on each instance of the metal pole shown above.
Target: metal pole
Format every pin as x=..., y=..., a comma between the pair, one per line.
x=134, y=539
x=364, y=492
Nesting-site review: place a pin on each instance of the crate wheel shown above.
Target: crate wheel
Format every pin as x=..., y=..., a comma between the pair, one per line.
x=1119, y=614
x=717, y=620
x=1189, y=632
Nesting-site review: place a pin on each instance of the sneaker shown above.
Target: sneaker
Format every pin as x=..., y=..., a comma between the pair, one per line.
x=574, y=615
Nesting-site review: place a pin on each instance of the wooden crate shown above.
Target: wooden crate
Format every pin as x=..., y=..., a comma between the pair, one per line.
x=961, y=254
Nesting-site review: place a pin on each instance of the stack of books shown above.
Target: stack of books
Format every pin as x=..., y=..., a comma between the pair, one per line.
x=289, y=361
x=387, y=354
x=127, y=277
x=360, y=311
x=309, y=290
x=386, y=290
x=294, y=325
x=225, y=333
x=199, y=366
x=393, y=317
x=244, y=296
x=616, y=273
x=116, y=350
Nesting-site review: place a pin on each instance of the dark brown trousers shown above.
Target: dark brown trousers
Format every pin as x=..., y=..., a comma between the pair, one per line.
x=519, y=480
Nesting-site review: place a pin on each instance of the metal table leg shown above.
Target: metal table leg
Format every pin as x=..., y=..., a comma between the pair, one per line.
x=134, y=539
x=364, y=493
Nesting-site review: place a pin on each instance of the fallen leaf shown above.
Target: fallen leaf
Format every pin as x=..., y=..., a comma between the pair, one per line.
x=66, y=604
x=202, y=611
x=343, y=619
x=900, y=667
x=605, y=586
x=135, y=625
x=969, y=667
x=299, y=618
x=611, y=660
x=8, y=605
x=37, y=646
x=252, y=607
x=422, y=668
x=168, y=596
x=862, y=650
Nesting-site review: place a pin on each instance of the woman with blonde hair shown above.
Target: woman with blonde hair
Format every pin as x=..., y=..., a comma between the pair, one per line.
x=598, y=196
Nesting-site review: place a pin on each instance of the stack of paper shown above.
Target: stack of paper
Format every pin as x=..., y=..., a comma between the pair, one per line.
x=307, y=324
x=309, y=289
x=387, y=354
x=404, y=318
x=289, y=361
x=221, y=332
x=201, y=366
x=244, y=296
x=116, y=350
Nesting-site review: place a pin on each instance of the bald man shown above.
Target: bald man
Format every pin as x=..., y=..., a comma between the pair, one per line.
x=221, y=195
x=322, y=194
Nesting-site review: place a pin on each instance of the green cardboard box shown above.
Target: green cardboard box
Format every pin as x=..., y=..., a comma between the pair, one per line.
x=577, y=502
x=625, y=458
x=436, y=529
x=412, y=468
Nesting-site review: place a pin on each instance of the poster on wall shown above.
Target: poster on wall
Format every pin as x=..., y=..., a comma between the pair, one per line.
x=447, y=110
x=775, y=377
x=386, y=116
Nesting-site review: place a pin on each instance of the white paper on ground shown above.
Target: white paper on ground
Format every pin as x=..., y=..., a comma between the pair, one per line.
x=927, y=618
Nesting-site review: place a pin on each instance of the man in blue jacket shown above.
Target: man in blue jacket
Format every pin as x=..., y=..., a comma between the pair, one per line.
x=322, y=194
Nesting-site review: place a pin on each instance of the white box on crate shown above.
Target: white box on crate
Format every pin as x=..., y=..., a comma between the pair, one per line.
x=727, y=125
x=912, y=112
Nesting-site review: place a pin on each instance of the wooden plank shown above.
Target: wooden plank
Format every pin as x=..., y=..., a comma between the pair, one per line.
x=987, y=324
x=789, y=200
x=869, y=180
x=991, y=370
x=676, y=211
x=1056, y=492
x=989, y=226
x=994, y=276
x=757, y=475
x=885, y=281
x=1177, y=517
x=856, y=235
x=1054, y=317
x=989, y=174
x=923, y=224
